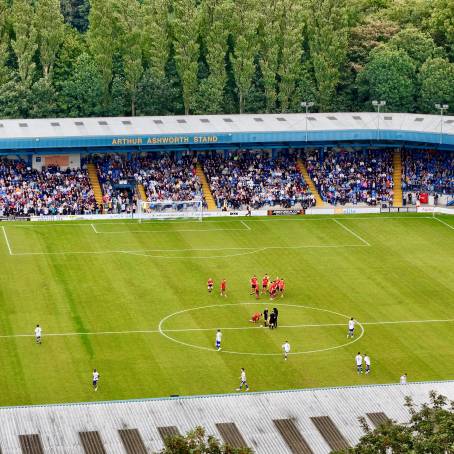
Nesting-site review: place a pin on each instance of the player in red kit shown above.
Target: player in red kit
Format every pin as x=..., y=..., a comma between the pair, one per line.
x=257, y=292
x=224, y=288
x=210, y=284
x=254, y=284
x=255, y=317
x=281, y=287
x=273, y=288
x=265, y=282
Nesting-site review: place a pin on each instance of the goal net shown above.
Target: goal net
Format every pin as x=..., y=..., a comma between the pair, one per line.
x=170, y=209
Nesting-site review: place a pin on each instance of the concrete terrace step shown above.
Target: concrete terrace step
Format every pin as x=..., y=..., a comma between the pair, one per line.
x=302, y=169
x=211, y=203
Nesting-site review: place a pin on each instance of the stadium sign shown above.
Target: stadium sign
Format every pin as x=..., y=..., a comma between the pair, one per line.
x=284, y=212
x=165, y=140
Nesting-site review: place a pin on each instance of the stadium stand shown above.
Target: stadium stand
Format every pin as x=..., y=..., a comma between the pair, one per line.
x=343, y=177
x=25, y=191
x=226, y=181
x=301, y=421
x=255, y=179
x=428, y=171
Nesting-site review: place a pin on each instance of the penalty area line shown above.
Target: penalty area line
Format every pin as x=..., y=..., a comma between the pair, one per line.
x=7, y=241
x=352, y=232
x=227, y=328
x=443, y=222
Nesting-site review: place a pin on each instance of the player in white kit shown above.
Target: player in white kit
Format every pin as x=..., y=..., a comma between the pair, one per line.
x=95, y=379
x=38, y=333
x=367, y=362
x=351, y=328
x=359, y=363
x=243, y=380
x=218, y=339
x=286, y=349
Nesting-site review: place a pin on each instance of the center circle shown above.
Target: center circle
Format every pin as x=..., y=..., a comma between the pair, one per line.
x=164, y=332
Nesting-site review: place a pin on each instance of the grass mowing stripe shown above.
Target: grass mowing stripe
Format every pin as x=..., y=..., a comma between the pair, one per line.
x=225, y=328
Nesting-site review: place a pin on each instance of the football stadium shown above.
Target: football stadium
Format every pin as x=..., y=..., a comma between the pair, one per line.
x=129, y=243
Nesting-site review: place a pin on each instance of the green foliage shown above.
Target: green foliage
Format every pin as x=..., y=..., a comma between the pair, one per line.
x=75, y=13
x=185, y=27
x=81, y=93
x=49, y=23
x=431, y=430
x=196, y=441
x=327, y=34
x=436, y=79
x=389, y=75
x=24, y=43
x=230, y=55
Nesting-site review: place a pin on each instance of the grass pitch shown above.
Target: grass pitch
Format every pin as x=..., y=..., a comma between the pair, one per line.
x=130, y=299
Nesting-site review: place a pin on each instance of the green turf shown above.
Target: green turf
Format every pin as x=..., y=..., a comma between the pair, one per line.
x=125, y=276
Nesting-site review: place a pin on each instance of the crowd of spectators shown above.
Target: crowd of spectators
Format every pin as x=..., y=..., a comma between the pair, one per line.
x=254, y=179
x=25, y=191
x=164, y=178
x=428, y=171
x=352, y=177
x=237, y=180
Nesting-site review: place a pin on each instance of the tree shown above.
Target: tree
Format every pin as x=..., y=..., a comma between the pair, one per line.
x=269, y=44
x=156, y=37
x=25, y=42
x=75, y=13
x=102, y=41
x=430, y=430
x=388, y=75
x=159, y=96
x=196, y=441
x=185, y=29
x=215, y=26
x=82, y=92
x=436, y=79
x=291, y=50
x=129, y=17
x=4, y=40
x=72, y=46
x=245, y=21
x=42, y=100
x=418, y=45
x=367, y=36
x=441, y=23
x=49, y=23
x=327, y=35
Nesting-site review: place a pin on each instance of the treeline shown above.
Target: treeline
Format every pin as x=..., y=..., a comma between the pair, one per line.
x=156, y=57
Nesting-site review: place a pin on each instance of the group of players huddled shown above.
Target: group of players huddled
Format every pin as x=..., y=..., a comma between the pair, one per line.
x=273, y=288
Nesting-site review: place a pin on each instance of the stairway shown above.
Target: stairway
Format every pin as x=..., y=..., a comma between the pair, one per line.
x=211, y=204
x=307, y=178
x=94, y=181
x=397, y=179
x=142, y=193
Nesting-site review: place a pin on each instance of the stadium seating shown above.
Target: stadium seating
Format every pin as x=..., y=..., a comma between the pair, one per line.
x=25, y=191
x=352, y=177
x=163, y=177
x=428, y=171
x=255, y=179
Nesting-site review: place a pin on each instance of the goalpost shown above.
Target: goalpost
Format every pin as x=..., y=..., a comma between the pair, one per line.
x=170, y=209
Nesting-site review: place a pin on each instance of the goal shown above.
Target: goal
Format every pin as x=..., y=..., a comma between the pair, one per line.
x=170, y=209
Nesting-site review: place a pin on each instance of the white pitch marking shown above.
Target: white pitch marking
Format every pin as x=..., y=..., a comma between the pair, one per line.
x=443, y=222
x=244, y=223
x=352, y=232
x=141, y=252
x=174, y=221
x=94, y=228
x=7, y=241
x=172, y=231
x=239, y=328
